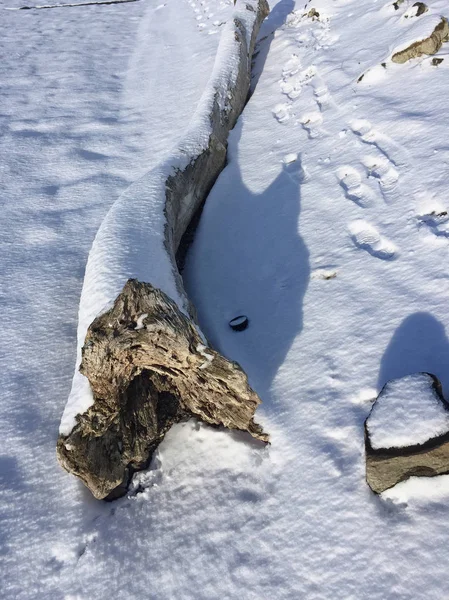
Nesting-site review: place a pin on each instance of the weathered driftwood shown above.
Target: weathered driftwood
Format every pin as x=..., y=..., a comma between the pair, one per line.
x=385, y=467
x=143, y=380
x=428, y=46
x=148, y=368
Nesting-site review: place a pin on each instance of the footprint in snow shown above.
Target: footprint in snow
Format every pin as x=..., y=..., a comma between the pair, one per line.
x=379, y=165
x=312, y=124
x=293, y=79
x=351, y=182
x=281, y=112
x=388, y=177
x=393, y=151
x=366, y=237
x=293, y=167
x=322, y=96
x=203, y=16
x=291, y=67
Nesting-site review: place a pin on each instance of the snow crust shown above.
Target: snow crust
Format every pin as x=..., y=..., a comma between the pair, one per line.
x=407, y=412
x=130, y=242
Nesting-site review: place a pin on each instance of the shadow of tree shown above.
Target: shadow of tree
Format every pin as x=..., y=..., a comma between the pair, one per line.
x=249, y=258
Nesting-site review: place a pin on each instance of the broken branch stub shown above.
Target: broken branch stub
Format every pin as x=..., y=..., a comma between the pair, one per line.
x=148, y=369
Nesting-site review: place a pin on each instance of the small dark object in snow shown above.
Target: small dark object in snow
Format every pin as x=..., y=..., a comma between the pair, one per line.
x=421, y=8
x=437, y=61
x=239, y=323
x=313, y=14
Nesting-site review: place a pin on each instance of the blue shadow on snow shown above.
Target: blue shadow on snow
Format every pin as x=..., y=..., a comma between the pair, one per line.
x=257, y=264
x=419, y=344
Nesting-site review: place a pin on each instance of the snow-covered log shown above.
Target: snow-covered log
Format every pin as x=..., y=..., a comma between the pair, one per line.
x=138, y=240
x=428, y=46
x=407, y=432
x=148, y=368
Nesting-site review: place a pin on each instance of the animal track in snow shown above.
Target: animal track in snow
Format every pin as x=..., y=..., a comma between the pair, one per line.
x=293, y=167
x=312, y=124
x=366, y=237
x=437, y=220
x=291, y=67
x=203, y=15
x=393, y=151
x=351, y=181
x=290, y=158
x=387, y=176
x=281, y=112
x=315, y=31
x=322, y=96
x=292, y=80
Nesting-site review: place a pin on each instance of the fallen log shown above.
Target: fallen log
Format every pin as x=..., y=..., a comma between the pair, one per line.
x=148, y=369
x=143, y=364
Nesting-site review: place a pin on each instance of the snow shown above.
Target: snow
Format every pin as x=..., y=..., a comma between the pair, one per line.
x=91, y=99
x=209, y=357
x=408, y=412
x=419, y=491
x=140, y=320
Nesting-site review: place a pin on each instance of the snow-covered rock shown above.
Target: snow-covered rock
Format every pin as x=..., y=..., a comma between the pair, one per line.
x=407, y=432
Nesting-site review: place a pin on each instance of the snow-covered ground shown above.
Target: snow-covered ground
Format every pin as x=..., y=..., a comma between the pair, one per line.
x=327, y=230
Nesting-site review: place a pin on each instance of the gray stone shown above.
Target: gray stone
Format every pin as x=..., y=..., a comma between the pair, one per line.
x=385, y=467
